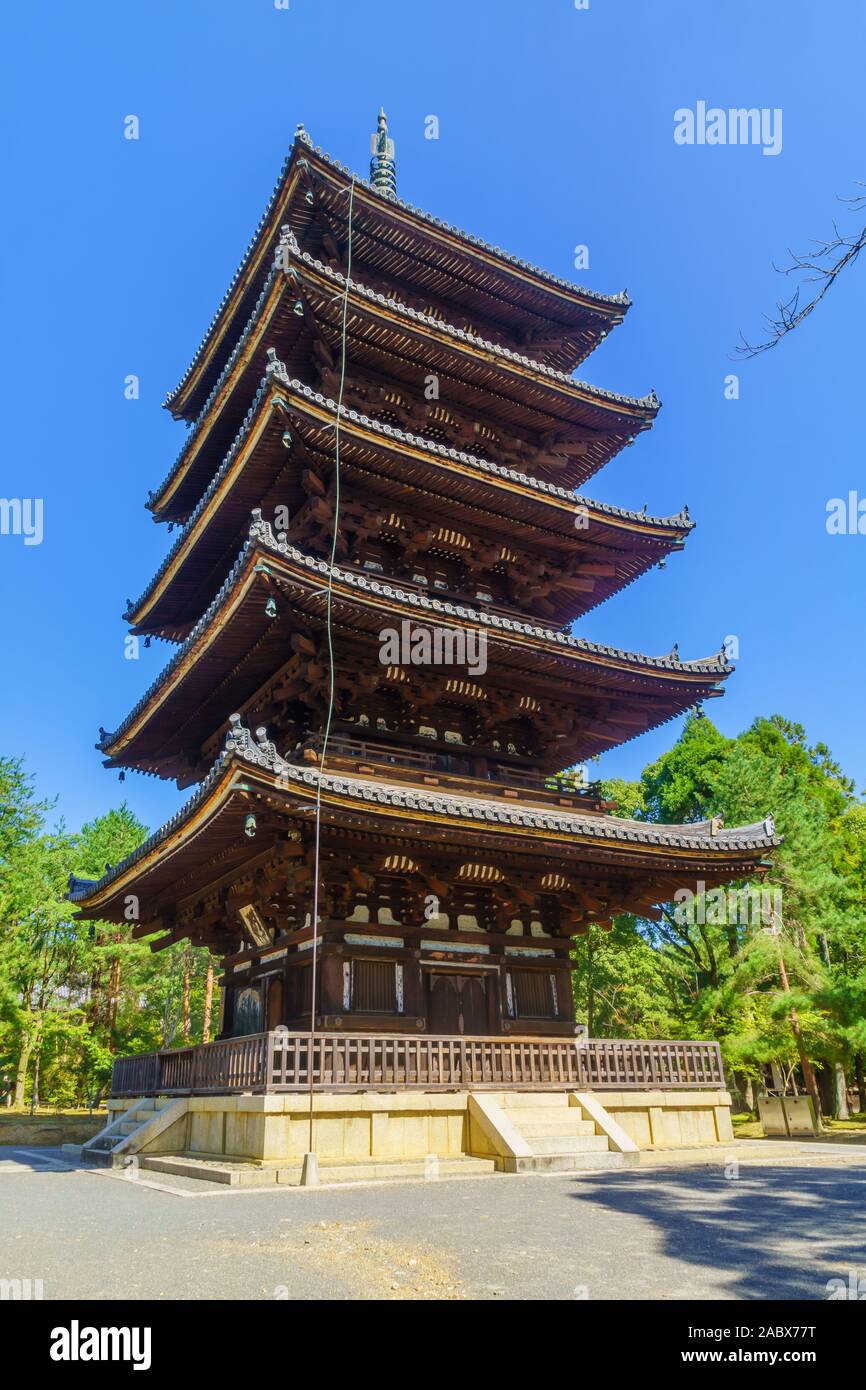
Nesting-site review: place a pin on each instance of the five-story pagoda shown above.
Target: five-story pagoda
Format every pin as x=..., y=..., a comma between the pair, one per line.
x=384, y=541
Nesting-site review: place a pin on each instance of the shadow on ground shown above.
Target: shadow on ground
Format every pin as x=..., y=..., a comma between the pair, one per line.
x=780, y=1233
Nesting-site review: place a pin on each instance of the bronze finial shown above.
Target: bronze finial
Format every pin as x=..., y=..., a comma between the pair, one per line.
x=383, y=170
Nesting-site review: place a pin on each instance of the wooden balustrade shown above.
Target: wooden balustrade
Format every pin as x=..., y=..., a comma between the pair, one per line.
x=405, y=758
x=281, y=1061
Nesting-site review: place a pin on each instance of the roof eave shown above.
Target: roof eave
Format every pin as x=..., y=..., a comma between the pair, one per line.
x=609, y=309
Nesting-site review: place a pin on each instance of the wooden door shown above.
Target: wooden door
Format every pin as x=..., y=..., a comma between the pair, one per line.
x=457, y=1003
x=473, y=998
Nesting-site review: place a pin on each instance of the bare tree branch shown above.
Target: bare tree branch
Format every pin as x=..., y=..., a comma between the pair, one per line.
x=821, y=266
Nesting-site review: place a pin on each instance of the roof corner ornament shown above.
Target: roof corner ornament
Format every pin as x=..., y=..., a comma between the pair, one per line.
x=770, y=827
x=287, y=247
x=238, y=738
x=260, y=529
x=266, y=747
x=383, y=169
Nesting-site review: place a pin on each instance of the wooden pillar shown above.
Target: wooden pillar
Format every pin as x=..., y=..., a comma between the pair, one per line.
x=331, y=983
x=414, y=1001
x=495, y=1009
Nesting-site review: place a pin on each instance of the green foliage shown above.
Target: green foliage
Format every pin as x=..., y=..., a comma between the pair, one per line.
x=73, y=993
x=725, y=978
x=620, y=986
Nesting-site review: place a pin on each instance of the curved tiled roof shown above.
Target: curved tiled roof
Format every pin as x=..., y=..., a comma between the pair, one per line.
x=649, y=402
x=276, y=371
x=196, y=426
x=712, y=666
x=201, y=504
x=261, y=533
x=261, y=530
x=80, y=888
x=221, y=597
x=289, y=242
x=700, y=835
x=681, y=520
x=620, y=300
x=703, y=836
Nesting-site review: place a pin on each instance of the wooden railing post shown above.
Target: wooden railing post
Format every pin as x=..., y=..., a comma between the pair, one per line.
x=270, y=1062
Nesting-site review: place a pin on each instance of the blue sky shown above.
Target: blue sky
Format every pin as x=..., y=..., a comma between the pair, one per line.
x=556, y=129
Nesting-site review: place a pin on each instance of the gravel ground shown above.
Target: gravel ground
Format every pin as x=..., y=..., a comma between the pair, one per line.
x=771, y=1232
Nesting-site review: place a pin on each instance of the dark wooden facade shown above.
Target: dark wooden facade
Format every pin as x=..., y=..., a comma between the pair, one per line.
x=456, y=862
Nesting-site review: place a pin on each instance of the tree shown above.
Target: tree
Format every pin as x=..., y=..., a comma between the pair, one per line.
x=114, y=957
x=59, y=977
x=821, y=266
x=787, y=989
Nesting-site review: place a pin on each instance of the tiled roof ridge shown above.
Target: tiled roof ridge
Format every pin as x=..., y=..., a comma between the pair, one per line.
x=199, y=420
x=289, y=241
x=260, y=751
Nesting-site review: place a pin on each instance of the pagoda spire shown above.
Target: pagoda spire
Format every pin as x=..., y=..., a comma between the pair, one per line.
x=383, y=169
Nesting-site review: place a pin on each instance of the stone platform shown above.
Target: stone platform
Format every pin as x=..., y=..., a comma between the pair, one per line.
x=374, y=1134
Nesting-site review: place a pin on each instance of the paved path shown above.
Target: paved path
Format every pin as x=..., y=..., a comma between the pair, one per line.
x=658, y=1233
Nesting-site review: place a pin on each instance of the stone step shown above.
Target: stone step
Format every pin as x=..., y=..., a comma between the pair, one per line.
x=523, y=1100
x=100, y=1158
x=380, y=1171
x=130, y=1126
x=531, y=1128
x=541, y=1114
x=568, y=1143
x=106, y=1158
x=101, y=1151
x=571, y=1163
x=151, y=1106
x=330, y=1171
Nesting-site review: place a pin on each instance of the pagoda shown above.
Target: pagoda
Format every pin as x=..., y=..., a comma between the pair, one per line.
x=384, y=540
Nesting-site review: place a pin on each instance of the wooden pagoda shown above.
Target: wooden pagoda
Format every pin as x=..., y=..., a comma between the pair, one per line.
x=382, y=383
